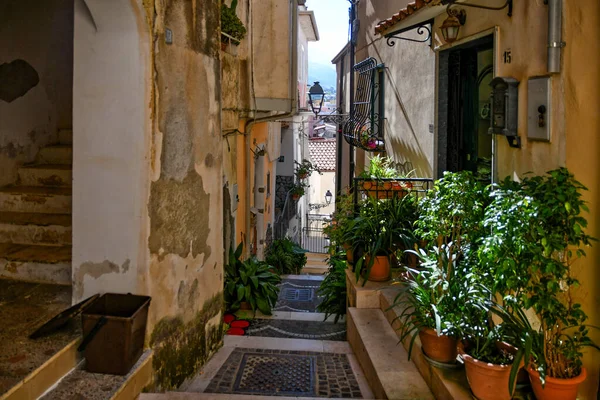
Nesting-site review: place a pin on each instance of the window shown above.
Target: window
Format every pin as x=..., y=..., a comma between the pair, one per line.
x=364, y=129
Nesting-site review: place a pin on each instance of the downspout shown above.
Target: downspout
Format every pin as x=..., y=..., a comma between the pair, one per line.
x=555, y=43
x=340, y=133
x=253, y=121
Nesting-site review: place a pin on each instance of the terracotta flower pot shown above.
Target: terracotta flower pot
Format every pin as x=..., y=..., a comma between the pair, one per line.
x=380, y=271
x=303, y=175
x=244, y=305
x=438, y=348
x=349, y=252
x=295, y=196
x=487, y=381
x=555, y=389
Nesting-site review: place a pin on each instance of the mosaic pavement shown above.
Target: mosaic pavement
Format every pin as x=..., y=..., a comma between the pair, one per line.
x=286, y=373
x=298, y=295
x=297, y=329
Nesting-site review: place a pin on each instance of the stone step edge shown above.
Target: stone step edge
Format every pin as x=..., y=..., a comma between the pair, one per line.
x=444, y=383
x=215, y=396
x=382, y=359
x=139, y=379
x=45, y=376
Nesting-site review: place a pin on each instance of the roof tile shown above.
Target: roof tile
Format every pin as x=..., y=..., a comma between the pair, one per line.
x=322, y=153
x=402, y=14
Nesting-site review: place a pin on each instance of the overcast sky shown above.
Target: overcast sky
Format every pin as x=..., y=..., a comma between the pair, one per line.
x=332, y=22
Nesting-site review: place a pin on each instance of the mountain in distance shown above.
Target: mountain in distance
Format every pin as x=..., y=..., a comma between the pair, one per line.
x=324, y=73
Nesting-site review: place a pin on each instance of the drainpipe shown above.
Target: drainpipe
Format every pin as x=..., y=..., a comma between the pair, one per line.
x=251, y=122
x=555, y=43
x=351, y=94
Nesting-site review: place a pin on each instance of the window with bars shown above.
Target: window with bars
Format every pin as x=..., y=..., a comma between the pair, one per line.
x=365, y=126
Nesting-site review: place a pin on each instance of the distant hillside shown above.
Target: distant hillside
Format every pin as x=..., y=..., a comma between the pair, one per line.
x=323, y=73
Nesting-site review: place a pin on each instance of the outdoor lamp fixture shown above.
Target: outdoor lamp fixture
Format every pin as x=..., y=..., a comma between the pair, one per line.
x=328, y=196
x=451, y=26
x=458, y=17
x=316, y=95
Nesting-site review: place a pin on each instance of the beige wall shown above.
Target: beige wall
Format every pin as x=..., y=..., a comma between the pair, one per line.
x=43, y=37
x=574, y=135
x=581, y=72
x=319, y=184
x=409, y=88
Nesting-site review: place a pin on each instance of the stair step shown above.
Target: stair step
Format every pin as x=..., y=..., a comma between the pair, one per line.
x=35, y=228
x=55, y=154
x=56, y=175
x=32, y=263
x=65, y=136
x=80, y=384
x=32, y=199
x=29, y=367
x=385, y=362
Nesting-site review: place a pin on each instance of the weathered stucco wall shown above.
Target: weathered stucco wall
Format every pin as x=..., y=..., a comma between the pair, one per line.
x=409, y=87
x=112, y=125
x=185, y=208
x=36, y=78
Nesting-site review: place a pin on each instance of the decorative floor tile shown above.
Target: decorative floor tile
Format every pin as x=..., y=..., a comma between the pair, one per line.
x=297, y=329
x=298, y=295
x=286, y=373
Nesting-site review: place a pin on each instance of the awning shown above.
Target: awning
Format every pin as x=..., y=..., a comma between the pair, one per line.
x=413, y=15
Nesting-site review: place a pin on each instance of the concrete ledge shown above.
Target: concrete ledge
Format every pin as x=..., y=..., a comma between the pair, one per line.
x=445, y=384
x=366, y=296
x=383, y=360
x=44, y=377
x=137, y=380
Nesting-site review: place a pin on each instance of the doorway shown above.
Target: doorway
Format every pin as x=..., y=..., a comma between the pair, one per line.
x=464, y=91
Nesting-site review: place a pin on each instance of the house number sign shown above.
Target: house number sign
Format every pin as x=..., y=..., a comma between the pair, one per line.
x=507, y=56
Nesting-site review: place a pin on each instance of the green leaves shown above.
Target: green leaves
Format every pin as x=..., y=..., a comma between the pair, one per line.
x=249, y=281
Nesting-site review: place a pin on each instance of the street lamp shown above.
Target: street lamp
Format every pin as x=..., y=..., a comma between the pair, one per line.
x=328, y=196
x=451, y=26
x=316, y=95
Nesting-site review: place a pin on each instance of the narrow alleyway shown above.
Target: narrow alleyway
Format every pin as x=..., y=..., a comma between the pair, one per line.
x=293, y=353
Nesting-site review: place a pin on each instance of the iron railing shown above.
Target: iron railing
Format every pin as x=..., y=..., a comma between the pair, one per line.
x=390, y=187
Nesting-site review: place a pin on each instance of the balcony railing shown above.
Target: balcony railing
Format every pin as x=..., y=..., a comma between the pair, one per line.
x=389, y=188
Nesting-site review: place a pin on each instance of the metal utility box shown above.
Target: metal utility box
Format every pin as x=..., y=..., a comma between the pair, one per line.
x=539, y=108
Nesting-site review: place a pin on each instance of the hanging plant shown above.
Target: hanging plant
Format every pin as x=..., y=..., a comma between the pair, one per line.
x=305, y=169
x=230, y=23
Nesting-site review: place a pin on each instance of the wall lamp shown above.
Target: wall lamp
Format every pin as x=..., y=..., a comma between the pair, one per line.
x=316, y=95
x=457, y=17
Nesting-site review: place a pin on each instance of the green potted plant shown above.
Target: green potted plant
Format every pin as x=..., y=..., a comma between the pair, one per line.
x=381, y=168
x=333, y=288
x=450, y=218
x=250, y=281
x=304, y=169
x=431, y=301
x=537, y=243
x=286, y=256
x=298, y=190
x=231, y=24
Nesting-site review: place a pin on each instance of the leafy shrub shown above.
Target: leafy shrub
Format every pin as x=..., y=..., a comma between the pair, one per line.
x=286, y=256
x=230, y=23
x=333, y=288
x=250, y=281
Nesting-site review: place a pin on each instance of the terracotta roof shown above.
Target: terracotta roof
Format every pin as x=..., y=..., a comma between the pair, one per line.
x=322, y=154
x=402, y=14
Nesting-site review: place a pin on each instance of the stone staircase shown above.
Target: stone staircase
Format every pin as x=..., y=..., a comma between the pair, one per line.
x=35, y=217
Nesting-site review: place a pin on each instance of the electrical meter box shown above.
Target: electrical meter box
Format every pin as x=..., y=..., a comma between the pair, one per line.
x=538, y=108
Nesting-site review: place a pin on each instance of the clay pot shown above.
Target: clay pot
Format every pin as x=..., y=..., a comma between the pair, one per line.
x=555, y=389
x=303, y=176
x=487, y=381
x=380, y=271
x=349, y=252
x=244, y=305
x=295, y=196
x=438, y=348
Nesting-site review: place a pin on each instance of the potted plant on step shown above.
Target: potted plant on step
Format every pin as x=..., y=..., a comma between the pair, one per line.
x=541, y=246
x=298, y=190
x=250, y=281
x=286, y=256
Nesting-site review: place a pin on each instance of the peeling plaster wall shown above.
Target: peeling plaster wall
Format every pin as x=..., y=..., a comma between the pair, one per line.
x=186, y=194
x=43, y=38
x=112, y=125
x=409, y=88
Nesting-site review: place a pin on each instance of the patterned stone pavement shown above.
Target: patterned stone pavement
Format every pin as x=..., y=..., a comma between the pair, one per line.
x=286, y=373
x=298, y=295
x=297, y=329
